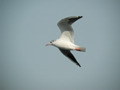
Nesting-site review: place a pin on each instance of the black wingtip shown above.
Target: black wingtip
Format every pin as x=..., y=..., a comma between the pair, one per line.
x=78, y=64
x=80, y=17
x=73, y=19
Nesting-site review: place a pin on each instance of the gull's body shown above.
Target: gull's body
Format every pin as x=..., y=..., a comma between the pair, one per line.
x=66, y=41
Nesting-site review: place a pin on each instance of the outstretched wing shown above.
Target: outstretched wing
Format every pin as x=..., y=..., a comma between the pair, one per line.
x=67, y=32
x=68, y=54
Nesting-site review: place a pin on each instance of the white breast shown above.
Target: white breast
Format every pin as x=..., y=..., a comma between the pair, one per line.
x=64, y=44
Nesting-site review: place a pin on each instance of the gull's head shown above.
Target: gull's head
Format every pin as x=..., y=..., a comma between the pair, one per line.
x=51, y=43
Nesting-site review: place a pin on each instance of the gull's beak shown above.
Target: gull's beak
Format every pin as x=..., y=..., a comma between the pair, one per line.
x=48, y=44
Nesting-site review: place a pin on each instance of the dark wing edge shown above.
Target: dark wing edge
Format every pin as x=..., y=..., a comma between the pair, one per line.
x=72, y=20
x=68, y=54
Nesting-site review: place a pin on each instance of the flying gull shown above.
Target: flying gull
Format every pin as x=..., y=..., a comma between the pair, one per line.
x=66, y=41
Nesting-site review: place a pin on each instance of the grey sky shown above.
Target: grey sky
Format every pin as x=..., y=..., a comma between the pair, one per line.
x=27, y=25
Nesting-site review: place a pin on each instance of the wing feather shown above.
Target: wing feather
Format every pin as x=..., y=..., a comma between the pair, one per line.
x=68, y=54
x=67, y=32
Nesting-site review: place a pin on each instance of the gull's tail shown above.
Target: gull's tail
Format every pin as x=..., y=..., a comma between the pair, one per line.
x=82, y=49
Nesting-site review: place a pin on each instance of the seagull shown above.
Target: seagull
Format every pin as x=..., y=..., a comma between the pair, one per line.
x=66, y=41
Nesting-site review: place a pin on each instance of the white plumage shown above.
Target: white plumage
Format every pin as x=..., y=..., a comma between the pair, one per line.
x=66, y=41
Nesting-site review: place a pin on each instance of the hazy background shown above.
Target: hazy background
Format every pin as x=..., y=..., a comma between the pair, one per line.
x=27, y=64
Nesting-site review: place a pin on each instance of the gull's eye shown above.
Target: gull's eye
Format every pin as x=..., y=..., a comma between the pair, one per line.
x=51, y=41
